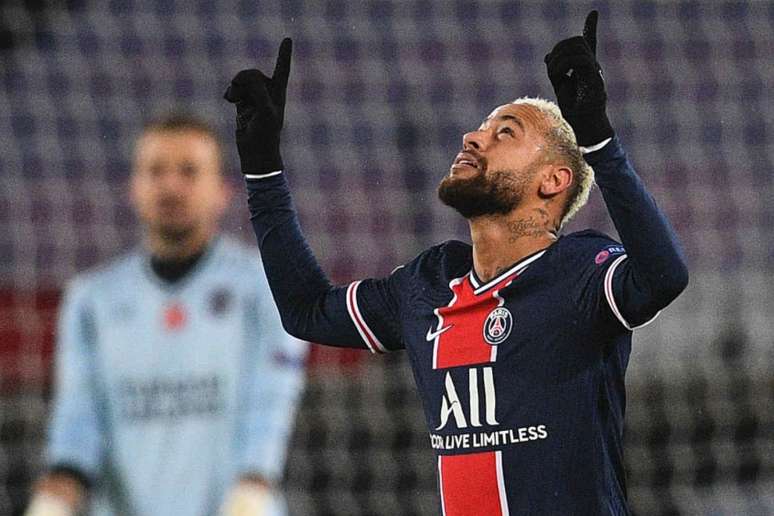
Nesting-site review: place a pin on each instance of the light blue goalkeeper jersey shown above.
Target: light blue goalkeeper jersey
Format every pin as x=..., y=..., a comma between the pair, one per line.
x=166, y=393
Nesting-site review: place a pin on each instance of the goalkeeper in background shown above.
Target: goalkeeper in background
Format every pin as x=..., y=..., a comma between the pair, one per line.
x=176, y=385
x=519, y=343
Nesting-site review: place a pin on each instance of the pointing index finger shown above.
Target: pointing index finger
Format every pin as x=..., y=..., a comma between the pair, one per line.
x=282, y=68
x=590, y=30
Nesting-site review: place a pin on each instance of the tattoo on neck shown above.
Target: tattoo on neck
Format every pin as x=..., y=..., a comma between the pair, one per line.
x=551, y=224
x=528, y=227
x=543, y=214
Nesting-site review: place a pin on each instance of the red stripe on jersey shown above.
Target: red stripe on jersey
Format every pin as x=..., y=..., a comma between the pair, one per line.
x=463, y=343
x=472, y=484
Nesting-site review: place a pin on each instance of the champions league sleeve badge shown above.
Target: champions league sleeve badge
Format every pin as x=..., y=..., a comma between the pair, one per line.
x=498, y=326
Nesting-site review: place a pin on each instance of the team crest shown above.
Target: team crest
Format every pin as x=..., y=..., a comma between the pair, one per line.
x=220, y=301
x=498, y=326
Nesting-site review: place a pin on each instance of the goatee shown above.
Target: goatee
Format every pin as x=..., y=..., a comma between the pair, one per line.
x=495, y=193
x=174, y=234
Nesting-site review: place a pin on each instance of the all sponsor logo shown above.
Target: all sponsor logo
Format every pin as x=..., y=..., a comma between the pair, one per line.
x=471, y=420
x=498, y=325
x=451, y=406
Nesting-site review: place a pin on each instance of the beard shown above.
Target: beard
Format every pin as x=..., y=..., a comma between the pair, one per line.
x=171, y=220
x=175, y=234
x=486, y=193
x=171, y=233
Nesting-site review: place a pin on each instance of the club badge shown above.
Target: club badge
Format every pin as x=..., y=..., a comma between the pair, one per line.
x=498, y=326
x=220, y=301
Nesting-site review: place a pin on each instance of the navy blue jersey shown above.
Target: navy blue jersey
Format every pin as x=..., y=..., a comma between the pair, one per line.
x=521, y=377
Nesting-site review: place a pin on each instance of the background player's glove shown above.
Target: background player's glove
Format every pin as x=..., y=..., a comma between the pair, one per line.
x=260, y=105
x=247, y=500
x=579, y=85
x=44, y=504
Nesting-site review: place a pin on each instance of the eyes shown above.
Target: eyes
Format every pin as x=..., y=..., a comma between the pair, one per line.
x=185, y=169
x=500, y=130
x=505, y=131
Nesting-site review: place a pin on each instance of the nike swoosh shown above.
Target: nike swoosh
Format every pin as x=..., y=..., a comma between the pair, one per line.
x=432, y=335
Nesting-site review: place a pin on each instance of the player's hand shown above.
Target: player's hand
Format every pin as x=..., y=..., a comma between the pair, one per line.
x=260, y=105
x=579, y=84
x=247, y=499
x=56, y=494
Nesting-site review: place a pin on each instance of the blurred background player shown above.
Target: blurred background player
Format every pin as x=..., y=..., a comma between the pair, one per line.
x=520, y=342
x=175, y=384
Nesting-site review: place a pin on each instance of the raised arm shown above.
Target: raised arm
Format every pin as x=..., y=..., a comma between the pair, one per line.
x=360, y=315
x=655, y=272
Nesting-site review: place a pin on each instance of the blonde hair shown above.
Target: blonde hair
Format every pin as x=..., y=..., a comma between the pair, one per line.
x=563, y=146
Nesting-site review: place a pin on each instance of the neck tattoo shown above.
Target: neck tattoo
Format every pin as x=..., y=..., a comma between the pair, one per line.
x=528, y=227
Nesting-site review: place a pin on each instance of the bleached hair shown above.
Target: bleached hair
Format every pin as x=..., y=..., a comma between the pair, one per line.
x=563, y=147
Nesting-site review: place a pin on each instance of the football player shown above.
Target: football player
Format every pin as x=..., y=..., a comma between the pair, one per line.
x=519, y=342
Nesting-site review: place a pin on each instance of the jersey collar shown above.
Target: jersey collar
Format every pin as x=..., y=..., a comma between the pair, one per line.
x=177, y=286
x=517, y=268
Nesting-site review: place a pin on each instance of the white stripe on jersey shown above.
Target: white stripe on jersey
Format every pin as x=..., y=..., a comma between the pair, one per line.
x=501, y=483
x=500, y=302
x=453, y=283
x=262, y=176
x=611, y=298
x=440, y=485
x=357, y=318
x=518, y=268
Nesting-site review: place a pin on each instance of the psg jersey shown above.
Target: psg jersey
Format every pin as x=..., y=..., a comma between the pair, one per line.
x=521, y=377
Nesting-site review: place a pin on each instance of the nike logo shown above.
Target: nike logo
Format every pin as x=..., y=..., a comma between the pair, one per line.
x=432, y=335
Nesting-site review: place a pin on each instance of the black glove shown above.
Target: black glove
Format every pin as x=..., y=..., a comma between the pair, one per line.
x=579, y=85
x=260, y=105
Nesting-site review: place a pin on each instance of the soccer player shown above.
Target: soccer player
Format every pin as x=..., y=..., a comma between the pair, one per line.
x=175, y=382
x=519, y=343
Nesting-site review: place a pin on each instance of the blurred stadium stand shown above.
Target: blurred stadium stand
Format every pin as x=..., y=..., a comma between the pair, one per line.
x=381, y=92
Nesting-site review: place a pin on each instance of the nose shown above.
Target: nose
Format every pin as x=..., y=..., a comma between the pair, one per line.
x=473, y=140
x=171, y=179
x=166, y=185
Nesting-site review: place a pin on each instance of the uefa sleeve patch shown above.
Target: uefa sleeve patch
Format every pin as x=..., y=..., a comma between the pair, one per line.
x=607, y=252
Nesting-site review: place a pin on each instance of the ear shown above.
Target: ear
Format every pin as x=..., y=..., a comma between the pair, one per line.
x=556, y=180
